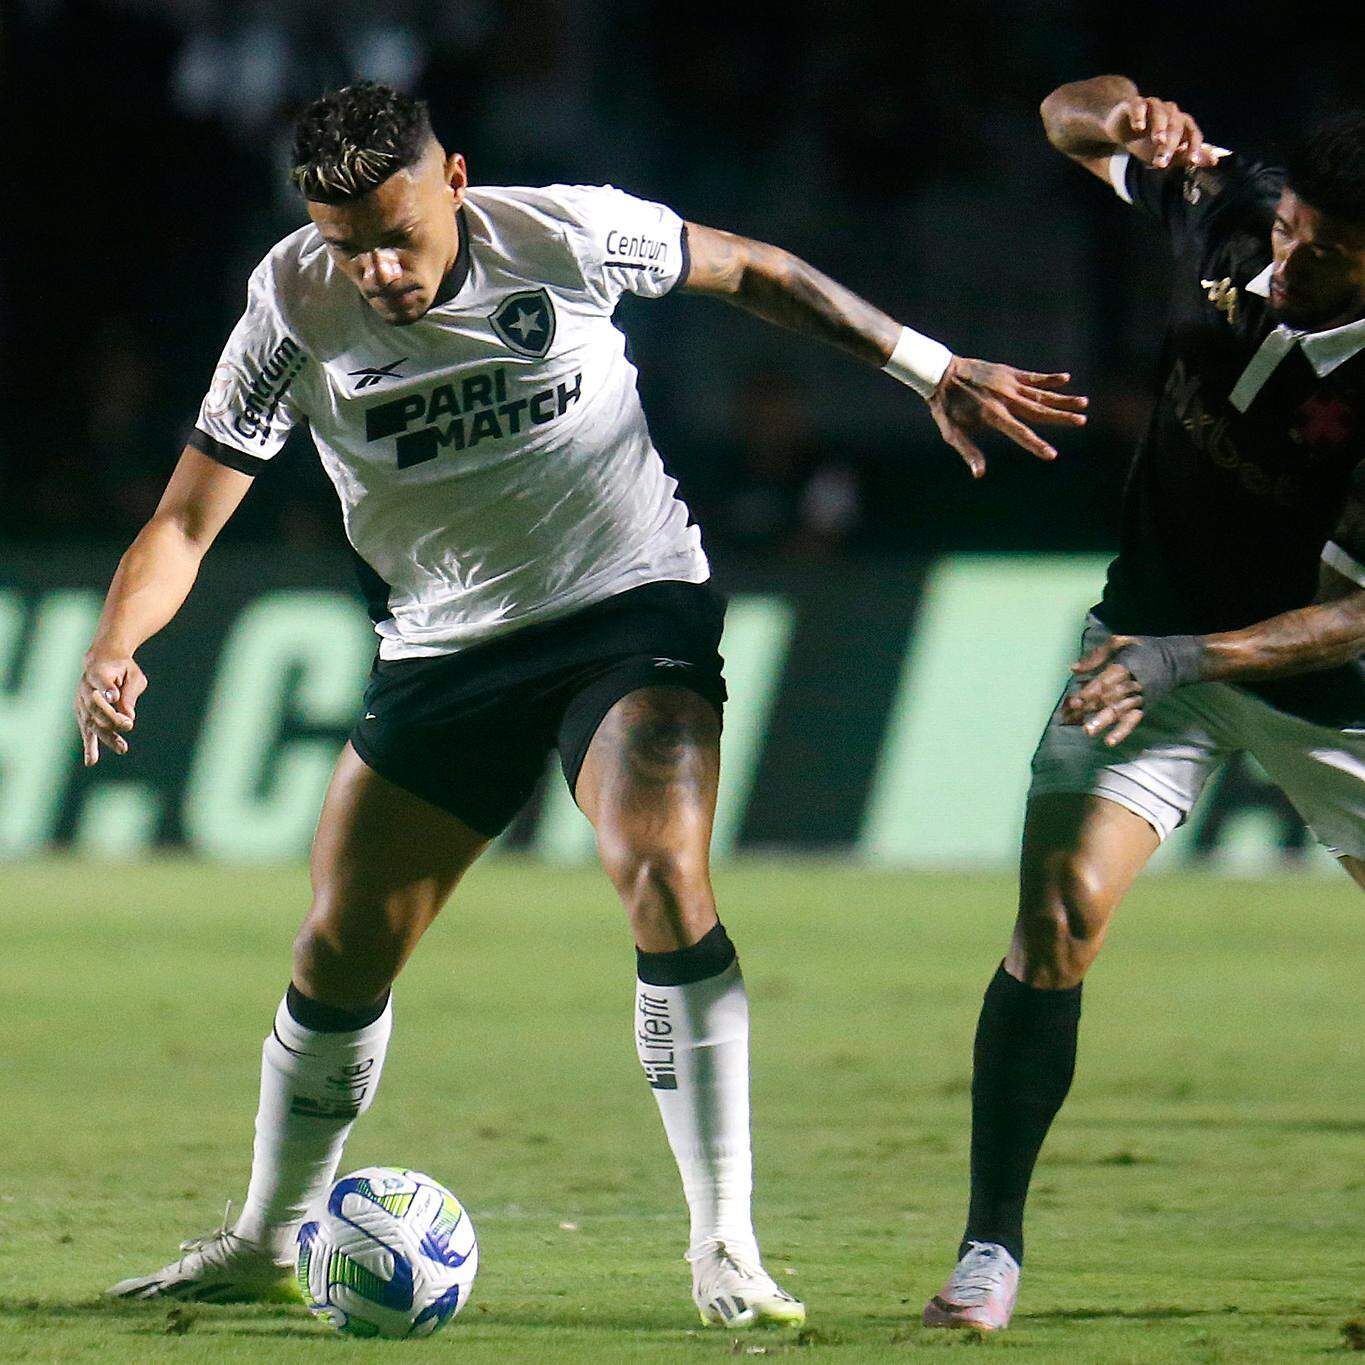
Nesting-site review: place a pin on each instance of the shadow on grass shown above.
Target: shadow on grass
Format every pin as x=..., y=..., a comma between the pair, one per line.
x=1153, y=1313
x=1224, y=1122
x=167, y=1318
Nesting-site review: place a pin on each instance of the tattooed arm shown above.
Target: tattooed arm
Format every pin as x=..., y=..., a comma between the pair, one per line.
x=966, y=396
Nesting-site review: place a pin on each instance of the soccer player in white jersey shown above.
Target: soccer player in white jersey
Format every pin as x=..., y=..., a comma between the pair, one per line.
x=535, y=585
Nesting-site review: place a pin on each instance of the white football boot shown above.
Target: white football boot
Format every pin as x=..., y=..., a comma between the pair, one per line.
x=732, y=1291
x=218, y=1268
x=980, y=1292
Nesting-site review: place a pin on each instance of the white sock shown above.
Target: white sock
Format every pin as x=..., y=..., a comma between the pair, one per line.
x=693, y=1042
x=313, y=1087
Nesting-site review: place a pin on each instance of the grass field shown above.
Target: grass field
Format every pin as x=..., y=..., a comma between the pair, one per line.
x=1201, y=1199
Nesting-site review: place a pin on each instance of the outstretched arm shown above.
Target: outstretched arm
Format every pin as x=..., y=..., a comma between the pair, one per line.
x=152, y=581
x=1129, y=674
x=963, y=395
x=1090, y=120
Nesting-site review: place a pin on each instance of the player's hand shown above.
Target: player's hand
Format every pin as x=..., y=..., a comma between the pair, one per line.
x=106, y=703
x=975, y=394
x=1158, y=133
x=1110, y=700
x=1128, y=675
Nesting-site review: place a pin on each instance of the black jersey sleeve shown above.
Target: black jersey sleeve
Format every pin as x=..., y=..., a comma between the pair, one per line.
x=1188, y=201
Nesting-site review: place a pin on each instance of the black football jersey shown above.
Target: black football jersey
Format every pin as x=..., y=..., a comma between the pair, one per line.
x=1245, y=472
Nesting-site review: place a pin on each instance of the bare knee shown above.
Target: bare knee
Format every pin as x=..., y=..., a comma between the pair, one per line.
x=666, y=893
x=1064, y=911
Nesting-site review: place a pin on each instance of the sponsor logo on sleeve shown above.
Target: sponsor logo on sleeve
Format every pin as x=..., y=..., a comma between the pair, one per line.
x=257, y=392
x=637, y=252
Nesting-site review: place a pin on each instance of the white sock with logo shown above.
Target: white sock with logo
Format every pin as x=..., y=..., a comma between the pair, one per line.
x=314, y=1084
x=692, y=1038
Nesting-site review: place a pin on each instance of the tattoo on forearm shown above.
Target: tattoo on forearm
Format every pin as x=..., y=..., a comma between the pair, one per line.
x=1325, y=635
x=788, y=291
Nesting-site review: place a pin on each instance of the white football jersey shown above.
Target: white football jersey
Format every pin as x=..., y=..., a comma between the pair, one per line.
x=492, y=459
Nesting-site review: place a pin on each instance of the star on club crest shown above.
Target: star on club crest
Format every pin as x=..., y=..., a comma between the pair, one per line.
x=525, y=322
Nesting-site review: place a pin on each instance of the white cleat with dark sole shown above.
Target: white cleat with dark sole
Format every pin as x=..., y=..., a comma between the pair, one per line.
x=732, y=1291
x=219, y=1268
x=980, y=1292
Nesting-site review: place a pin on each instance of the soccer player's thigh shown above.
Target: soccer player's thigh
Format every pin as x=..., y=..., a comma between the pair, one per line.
x=648, y=784
x=1096, y=814
x=1322, y=772
x=1081, y=853
x=384, y=862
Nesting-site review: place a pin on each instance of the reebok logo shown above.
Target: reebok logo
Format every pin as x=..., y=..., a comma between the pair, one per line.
x=374, y=374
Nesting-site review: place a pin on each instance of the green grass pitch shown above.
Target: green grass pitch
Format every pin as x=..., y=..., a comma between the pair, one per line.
x=1201, y=1199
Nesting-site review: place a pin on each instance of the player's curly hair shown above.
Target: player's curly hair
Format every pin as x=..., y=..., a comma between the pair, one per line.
x=353, y=139
x=1326, y=167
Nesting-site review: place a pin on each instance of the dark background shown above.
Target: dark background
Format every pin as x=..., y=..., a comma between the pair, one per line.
x=896, y=146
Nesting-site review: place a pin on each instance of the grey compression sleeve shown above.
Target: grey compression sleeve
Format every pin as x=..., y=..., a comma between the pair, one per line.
x=1161, y=663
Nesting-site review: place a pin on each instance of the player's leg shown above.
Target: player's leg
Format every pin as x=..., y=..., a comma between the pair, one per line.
x=384, y=862
x=648, y=784
x=1095, y=816
x=1322, y=772
x=1081, y=853
x=1355, y=869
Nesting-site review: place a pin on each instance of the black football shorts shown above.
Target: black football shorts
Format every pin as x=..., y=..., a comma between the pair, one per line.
x=470, y=731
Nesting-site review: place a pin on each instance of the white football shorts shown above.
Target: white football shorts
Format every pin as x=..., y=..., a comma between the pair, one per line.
x=1160, y=769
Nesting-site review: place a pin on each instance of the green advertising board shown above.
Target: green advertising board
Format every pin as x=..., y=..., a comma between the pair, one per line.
x=885, y=712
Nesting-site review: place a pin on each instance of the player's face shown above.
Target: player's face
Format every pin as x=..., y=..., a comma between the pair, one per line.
x=398, y=242
x=1318, y=279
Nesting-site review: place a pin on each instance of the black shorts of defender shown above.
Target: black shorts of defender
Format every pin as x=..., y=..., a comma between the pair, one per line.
x=470, y=732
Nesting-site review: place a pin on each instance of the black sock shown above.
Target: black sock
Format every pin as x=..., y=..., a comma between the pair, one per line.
x=710, y=955
x=322, y=1018
x=1024, y=1059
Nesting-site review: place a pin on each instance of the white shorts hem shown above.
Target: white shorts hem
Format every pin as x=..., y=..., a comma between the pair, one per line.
x=1162, y=825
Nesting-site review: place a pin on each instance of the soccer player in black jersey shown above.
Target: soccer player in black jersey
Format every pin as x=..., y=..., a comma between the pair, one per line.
x=1233, y=618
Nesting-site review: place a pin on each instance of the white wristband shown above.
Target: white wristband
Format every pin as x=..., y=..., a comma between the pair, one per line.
x=918, y=361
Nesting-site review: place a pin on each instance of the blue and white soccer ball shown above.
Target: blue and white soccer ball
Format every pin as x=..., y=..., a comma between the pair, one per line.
x=391, y=1254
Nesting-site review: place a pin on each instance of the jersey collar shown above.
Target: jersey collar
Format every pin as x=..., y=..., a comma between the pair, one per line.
x=1324, y=351
x=459, y=272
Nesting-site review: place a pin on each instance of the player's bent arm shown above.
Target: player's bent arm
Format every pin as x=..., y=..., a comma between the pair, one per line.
x=963, y=394
x=151, y=583
x=1089, y=121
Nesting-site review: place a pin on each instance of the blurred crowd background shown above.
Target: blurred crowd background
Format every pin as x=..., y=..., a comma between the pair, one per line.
x=897, y=146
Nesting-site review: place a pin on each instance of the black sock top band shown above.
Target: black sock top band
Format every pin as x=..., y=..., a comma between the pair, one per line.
x=327, y=1018
x=1019, y=995
x=710, y=955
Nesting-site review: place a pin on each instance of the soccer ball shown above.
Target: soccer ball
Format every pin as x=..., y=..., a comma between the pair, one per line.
x=390, y=1254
